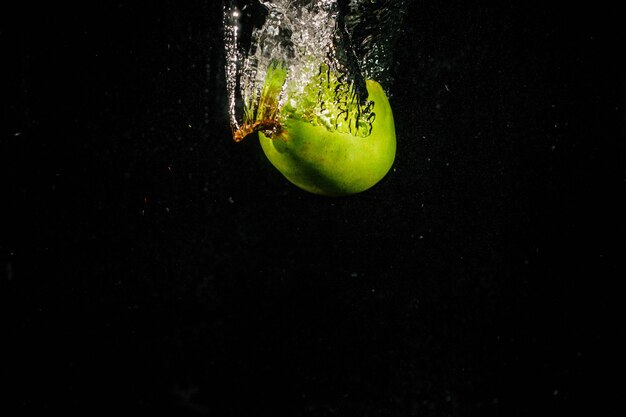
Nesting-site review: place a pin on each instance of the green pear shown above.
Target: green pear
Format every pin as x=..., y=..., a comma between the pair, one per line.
x=318, y=155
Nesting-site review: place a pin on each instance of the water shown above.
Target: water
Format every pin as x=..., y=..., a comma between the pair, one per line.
x=310, y=56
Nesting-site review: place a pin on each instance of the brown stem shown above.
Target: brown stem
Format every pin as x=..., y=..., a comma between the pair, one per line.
x=247, y=128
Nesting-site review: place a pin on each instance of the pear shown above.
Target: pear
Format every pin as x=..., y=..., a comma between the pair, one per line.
x=324, y=154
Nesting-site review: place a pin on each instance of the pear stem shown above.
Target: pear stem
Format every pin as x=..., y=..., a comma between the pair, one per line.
x=249, y=128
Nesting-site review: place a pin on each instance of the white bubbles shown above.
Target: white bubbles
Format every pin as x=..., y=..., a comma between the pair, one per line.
x=308, y=37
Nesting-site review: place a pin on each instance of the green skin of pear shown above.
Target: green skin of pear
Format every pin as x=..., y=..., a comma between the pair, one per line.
x=332, y=163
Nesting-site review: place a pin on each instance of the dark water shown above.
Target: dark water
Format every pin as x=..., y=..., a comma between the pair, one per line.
x=152, y=265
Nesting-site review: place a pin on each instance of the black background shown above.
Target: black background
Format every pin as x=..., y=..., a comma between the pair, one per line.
x=152, y=265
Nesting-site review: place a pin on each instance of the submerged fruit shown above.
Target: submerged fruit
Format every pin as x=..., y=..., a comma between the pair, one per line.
x=328, y=162
x=320, y=151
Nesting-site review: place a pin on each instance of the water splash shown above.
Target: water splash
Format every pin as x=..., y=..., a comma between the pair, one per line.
x=374, y=27
x=309, y=56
